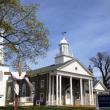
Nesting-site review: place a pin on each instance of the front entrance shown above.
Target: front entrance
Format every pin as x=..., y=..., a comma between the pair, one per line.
x=67, y=97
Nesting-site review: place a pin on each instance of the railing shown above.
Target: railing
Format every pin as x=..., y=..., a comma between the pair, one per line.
x=25, y=101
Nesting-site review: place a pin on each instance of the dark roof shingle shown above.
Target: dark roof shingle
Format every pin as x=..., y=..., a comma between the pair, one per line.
x=46, y=69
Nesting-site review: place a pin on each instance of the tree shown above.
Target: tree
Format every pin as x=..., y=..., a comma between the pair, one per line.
x=102, y=62
x=25, y=37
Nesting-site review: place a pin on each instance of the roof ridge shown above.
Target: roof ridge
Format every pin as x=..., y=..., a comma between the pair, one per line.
x=47, y=68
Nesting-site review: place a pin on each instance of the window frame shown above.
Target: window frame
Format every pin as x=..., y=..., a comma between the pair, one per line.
x=41, y=98
x=42, y=83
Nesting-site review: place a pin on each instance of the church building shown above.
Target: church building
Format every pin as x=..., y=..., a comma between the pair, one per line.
x=67, y=82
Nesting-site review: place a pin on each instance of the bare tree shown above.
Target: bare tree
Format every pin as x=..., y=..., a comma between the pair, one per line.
x=102, y=62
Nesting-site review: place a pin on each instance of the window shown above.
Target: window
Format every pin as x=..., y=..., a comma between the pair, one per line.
x=41, y=96
x=42, y=84
x=68, y=94
x=76, y=68
x=24, y=89
x=64, y=49
x=33, y=88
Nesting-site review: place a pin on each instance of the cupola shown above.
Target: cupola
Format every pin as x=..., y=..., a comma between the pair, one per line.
x=63, y=54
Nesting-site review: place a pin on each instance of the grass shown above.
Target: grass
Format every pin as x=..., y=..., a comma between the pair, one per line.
x=48, y=108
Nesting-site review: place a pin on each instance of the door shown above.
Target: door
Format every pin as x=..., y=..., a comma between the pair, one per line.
x=67, y=97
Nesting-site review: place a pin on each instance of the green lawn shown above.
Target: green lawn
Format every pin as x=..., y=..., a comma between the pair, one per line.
x=48, y=108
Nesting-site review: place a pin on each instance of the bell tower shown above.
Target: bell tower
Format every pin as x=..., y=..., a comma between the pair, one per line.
x=64, y=50
x=63, y=54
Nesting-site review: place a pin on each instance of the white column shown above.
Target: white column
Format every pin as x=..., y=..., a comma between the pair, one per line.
x=60, y=90
x=56, y=89
x=89, y=91
x=49, y=97
x=92, y=92
x=52, y=90
x=71, y=91
x=81, y=92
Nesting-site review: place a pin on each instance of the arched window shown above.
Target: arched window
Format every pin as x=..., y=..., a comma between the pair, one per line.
x=24, y=89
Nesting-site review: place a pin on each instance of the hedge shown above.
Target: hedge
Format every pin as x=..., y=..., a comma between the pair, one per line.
x=48, y=108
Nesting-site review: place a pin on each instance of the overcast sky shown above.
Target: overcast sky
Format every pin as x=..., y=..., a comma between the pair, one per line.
x=87, y=23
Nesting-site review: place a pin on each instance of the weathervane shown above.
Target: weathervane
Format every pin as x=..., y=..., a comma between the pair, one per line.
x=64, y=33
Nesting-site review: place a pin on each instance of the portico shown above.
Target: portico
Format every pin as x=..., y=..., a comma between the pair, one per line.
x=70, y=81
x=56, y=89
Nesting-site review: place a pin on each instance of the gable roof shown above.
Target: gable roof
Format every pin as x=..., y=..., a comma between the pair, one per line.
x=95, y=83
x=46, y=69
x=82, y=65
x=54, y=67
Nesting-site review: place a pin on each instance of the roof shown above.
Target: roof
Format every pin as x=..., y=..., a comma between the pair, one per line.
x=47, y=69
x=52, y=68
x=63, y=41
x=84, y=67
x=95, y=83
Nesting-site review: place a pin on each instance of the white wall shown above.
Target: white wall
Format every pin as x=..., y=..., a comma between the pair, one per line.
x=99, y=87
x=62, y=59
x=75, y=67
x=3, y=82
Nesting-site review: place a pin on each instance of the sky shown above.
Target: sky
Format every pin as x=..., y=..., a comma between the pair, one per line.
x=87, y=23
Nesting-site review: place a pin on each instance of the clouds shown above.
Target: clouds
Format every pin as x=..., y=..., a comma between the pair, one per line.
x=87, y=23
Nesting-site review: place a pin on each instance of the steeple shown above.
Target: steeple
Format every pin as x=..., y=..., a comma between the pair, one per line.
x=64, y=54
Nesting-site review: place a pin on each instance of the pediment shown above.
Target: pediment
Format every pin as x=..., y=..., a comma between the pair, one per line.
x=99, y=87
x=75, y=67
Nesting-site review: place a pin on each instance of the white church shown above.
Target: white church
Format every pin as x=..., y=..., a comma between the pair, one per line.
x=67, y=82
